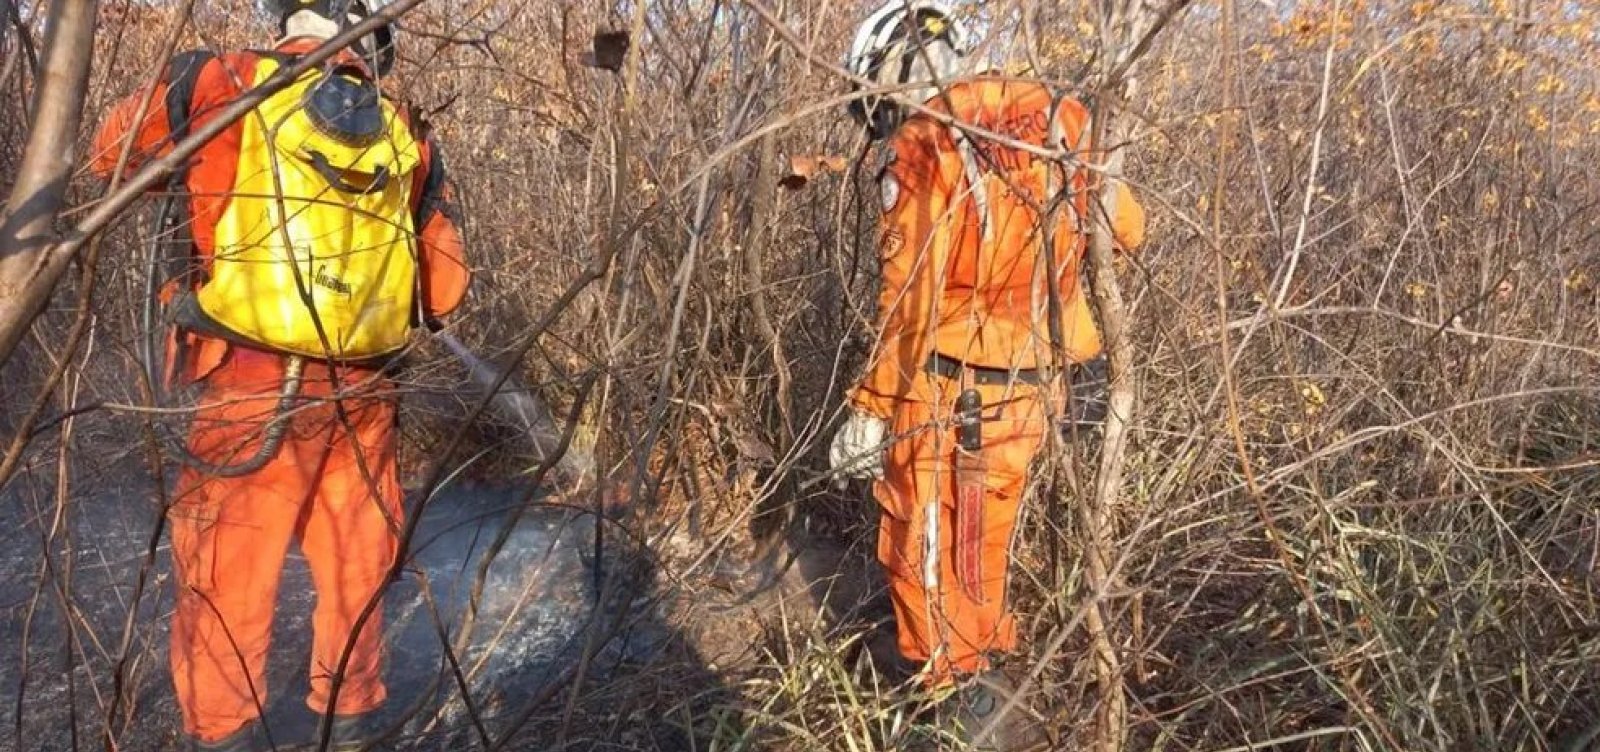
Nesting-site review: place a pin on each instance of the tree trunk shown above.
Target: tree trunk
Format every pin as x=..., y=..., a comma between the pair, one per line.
x=1098, y=515
x=1124, y=34
x=29, y=267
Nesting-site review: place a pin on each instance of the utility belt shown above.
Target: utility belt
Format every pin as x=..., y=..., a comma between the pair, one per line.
x=951, y=368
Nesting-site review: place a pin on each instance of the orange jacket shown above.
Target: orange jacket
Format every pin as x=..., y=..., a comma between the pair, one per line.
x=963, y=290
x=441, y=256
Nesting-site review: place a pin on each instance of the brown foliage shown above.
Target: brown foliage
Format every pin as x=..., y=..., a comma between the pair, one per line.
x=1405, y=554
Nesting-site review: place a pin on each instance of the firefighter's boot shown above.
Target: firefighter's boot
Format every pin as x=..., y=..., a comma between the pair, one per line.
x=357, y=732
x=244, y=740
x=971, y=714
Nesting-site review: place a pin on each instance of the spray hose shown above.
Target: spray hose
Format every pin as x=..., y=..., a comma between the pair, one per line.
x=271, y=436
x=165, y=265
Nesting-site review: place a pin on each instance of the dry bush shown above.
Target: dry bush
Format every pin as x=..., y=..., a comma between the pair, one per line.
x=1366, y=523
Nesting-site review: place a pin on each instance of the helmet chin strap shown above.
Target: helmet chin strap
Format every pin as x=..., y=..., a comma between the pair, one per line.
x=885, y=120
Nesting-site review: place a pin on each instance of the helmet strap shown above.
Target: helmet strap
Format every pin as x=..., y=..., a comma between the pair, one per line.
x=885, y=120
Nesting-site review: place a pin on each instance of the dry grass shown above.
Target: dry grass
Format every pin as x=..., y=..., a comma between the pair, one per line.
x=1379, y=532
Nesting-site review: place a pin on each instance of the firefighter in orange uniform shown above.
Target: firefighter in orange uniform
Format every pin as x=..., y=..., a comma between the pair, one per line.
x=954, y=398
x=322, y=232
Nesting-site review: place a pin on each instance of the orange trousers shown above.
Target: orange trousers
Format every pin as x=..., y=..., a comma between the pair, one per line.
x=333, y=485
x=936, y=619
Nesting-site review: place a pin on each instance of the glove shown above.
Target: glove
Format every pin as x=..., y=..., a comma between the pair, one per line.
x=857, y=450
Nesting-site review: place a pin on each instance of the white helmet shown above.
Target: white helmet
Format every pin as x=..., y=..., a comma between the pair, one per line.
x=904, y=42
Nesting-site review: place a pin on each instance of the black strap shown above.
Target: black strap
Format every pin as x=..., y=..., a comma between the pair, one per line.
x=433, y=199
x=183, y=76
x=188, y=315
x=335, y=176
x=950, y=368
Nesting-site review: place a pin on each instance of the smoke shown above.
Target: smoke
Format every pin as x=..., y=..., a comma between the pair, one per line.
x=514, y=402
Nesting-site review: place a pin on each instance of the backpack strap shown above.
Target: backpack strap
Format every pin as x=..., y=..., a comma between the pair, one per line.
x=183, y=76
x=171, y=248
x=975, y=182
x=433, y=199
x=978, y=189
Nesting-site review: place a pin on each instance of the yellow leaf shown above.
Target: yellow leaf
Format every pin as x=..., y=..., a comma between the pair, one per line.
x=1313, y=395
x=1549, y=84
x=1537, y=120
x=1507, y=60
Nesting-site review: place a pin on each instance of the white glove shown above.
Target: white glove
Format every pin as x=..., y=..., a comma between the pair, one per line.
x=857, y=450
